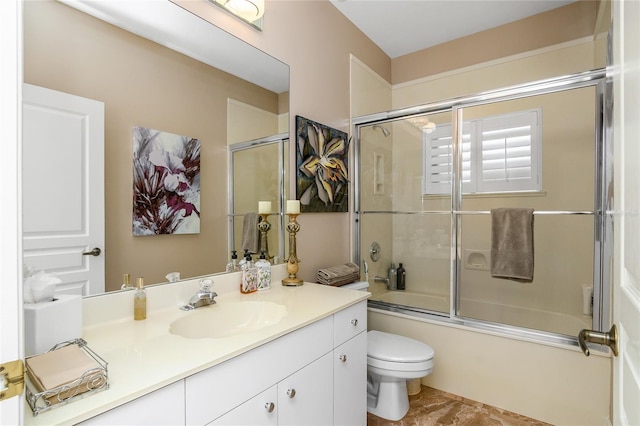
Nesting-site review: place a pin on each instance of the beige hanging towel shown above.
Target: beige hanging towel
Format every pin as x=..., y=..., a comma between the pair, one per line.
x=512, y=244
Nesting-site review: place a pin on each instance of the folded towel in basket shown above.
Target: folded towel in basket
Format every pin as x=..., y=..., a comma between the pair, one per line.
x=339, y=275
x=68, y=370
x=512, y=244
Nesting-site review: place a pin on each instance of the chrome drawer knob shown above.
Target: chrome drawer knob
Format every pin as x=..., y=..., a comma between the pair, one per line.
x=270, y=406
x=291, y=393
x=343, y=358
x=354, y=322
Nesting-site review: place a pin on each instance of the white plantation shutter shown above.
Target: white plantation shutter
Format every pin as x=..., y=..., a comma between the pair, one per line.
x=508, y=155
x=499, y=153
x=437, y=168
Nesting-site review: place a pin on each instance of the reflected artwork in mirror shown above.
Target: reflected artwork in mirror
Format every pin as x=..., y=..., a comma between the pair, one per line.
x=122, y=60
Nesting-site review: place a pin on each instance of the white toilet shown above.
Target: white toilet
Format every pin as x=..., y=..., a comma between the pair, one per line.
x=391, y=361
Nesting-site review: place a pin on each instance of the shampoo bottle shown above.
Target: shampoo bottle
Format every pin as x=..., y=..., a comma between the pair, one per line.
x=264, y=272
x=402, y=277
x=140, y=301
x=249, y=282
x=392, y=274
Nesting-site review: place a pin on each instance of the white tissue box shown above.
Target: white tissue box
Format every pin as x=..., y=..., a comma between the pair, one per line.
x=49, y=323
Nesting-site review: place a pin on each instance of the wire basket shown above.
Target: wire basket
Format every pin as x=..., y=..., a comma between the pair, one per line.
x=90, y=382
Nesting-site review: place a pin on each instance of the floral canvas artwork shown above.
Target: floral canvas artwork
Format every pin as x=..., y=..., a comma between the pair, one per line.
x=166, y=183
x=322, y=168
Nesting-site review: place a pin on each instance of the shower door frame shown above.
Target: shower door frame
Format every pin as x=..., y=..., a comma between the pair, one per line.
x=603, y=197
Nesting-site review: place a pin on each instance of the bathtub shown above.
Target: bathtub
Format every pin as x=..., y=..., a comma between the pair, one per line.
x=553, y=322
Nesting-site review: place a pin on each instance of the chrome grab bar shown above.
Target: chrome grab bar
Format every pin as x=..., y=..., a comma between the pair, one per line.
x=609, y=338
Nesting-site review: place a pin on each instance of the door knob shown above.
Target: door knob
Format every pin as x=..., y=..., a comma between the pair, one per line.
x=609, y=338
x=95, y=252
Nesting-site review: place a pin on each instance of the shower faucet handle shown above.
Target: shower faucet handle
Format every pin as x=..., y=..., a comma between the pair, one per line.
x=609, y=338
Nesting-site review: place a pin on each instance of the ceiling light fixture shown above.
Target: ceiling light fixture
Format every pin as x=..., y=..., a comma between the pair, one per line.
x=250, y=11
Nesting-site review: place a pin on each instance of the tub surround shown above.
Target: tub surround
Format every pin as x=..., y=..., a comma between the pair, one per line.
x=144, y=356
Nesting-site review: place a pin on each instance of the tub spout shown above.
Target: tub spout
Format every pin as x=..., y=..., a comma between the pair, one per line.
x=381, y=280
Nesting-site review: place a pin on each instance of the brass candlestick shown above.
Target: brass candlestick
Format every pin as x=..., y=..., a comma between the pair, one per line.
x=292, y=264
x=263, y=227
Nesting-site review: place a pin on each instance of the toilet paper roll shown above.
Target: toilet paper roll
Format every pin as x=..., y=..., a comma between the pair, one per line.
x=49, y=323
x=587, y=300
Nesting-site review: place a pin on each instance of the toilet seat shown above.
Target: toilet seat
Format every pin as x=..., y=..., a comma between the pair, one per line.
x=387, y=348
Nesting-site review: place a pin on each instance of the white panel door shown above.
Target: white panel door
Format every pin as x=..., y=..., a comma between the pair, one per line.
x=626, y=292
x=63, y=188
x=11, y=337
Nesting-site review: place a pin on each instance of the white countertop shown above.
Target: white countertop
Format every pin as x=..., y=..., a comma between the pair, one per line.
x=144, y=356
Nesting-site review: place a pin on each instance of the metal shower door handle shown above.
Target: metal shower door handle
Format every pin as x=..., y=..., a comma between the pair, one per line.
x=609, y=338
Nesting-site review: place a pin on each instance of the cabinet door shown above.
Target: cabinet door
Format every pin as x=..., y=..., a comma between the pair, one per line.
x=306, y=397
x=260, y=410
x=162, y=407
x=350, y=382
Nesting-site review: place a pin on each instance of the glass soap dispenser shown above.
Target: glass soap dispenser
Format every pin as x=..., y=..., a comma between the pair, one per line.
x=140, y=301
x=126, y=282
x=233, y=265
x=264, y=272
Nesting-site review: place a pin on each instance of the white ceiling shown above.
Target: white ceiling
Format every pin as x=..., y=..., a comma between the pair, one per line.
x=400, y=27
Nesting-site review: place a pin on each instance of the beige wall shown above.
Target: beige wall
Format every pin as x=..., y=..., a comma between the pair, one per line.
x=556, y=26
x=142, y=84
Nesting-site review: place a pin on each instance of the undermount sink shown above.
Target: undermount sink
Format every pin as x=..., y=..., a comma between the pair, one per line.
x=226, y=319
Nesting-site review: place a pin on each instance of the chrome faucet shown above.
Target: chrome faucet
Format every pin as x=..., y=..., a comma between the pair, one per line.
x=204, y=296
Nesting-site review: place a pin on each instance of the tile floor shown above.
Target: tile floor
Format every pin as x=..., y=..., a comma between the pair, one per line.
x=434, y=407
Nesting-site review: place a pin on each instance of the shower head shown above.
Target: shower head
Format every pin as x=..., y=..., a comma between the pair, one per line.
x=385, y=132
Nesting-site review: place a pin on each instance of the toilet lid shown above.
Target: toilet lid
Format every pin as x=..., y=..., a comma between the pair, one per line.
x=391, y=347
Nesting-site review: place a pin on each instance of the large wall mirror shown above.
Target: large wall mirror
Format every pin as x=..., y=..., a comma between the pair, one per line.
x=153, y=65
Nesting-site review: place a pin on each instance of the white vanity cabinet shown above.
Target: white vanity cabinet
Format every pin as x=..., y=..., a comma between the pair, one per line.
x=322, y=369
x=315, y=375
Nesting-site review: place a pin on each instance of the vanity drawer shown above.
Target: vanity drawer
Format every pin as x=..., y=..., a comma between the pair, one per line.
x=349, y=322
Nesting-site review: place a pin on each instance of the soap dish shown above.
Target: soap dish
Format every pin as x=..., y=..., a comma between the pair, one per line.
x=41, y=369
